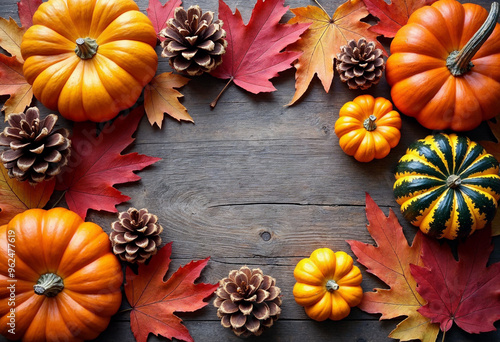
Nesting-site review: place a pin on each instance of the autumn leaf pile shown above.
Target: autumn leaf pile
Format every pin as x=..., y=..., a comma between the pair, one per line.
x=426, y=285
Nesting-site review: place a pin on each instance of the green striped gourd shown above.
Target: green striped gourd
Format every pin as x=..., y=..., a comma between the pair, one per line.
x=447, y=185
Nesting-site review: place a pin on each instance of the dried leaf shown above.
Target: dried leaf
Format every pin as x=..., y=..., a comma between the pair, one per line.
x=154, y=300
x=16, y=196
x=159, y=14
x=26, y=9
x=11, y=36
x=323, y=39
x=465, y=291
x=96, y=164
x=494, y=149
x=394, y=15
x=390, y=262
x=251, y=57
x=160, y=97
x=13, y=83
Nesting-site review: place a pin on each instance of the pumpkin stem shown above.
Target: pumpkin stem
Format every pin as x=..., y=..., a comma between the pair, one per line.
x=453, y=181
x=459, y=62
x=86, y=48
x=369, y=124
x=331, y=285
x=49, y=284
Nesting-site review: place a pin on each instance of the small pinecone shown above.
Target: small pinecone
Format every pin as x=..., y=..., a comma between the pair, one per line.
x=37, y=152
x=360, y=64
x=136, y=235
x=248, y=301
x=194, y=42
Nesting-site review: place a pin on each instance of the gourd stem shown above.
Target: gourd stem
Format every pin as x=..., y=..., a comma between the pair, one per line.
x=49, y=284
x=331, y=285
x=369, y=124
x=453, y=181
x=459, y=62
x=86, y=48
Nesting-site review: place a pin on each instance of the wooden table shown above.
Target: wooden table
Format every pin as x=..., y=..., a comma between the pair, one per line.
x=256, y=183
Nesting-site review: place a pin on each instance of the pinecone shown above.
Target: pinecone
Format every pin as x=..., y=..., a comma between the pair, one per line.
x=136, y=235
x=37, y=152
x=360, y=64
x=194, y=42
x=248, y=301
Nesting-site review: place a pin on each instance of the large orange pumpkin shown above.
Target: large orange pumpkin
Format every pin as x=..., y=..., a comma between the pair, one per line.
x=443, y=68
x=89, y=59
x=58, y=275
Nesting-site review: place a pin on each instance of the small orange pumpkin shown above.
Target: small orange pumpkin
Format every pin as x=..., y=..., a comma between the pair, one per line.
x=443, y=67
x=328, y=284
x=89, y=59
x=67, y=280
x=368, y=128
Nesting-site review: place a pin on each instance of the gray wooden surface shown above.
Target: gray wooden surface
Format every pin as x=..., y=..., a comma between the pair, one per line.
x=255, y=183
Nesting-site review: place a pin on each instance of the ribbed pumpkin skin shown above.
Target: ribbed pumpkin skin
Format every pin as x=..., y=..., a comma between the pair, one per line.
x=422, y=85
x=422, y=186
x=93, y=89
x=312, y=275
x=58, y=241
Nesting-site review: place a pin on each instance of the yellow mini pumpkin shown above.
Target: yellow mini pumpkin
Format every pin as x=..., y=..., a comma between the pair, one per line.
x=328, y=284
x=368, y=128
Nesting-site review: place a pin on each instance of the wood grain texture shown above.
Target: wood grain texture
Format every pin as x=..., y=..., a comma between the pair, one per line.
x=255, y=183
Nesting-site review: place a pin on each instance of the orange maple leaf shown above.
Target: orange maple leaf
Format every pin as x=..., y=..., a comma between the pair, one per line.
x=16, y=196
x=13, y=83
x=494, y=149
x=160, y=97
x=390, y=261
x=11, y=36
x=321, y=42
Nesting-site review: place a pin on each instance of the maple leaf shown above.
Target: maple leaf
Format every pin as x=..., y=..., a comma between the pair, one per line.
x=323, y=39
x=154, y=300
x=494, y=149
x=160, y=97
x=390, y=262
x=394, y=15
x=465, y=291
x=254, y=52
x=26, y=9
x=159, y=14
x=11, y=36
x=96, y=164
x=16, y=196
x=13, y=83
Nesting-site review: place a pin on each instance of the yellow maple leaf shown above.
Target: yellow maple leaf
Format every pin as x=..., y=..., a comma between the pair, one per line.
x=13, y=83
x=160, y=97
x=323, y=39
x=11, y=36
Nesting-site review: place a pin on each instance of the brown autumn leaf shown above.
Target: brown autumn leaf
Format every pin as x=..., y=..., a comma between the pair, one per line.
x=390, y=261
x=13, y=83
x=11, y=36
x=160, y=97
x=321, y=42
x=494, y=149
x=16, y=196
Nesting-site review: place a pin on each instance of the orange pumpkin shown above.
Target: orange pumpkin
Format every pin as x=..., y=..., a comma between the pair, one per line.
x=328, y=284
x=89, y=59
x=59, y=275
x=368, y=128
x=443, y=67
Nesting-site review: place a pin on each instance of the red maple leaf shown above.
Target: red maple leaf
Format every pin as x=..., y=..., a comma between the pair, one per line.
x=159, y=14
x=96, y=164
x=254, y=51
x=26, y=9
x=465, y=291
x=154, y=300
x=393, y=16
